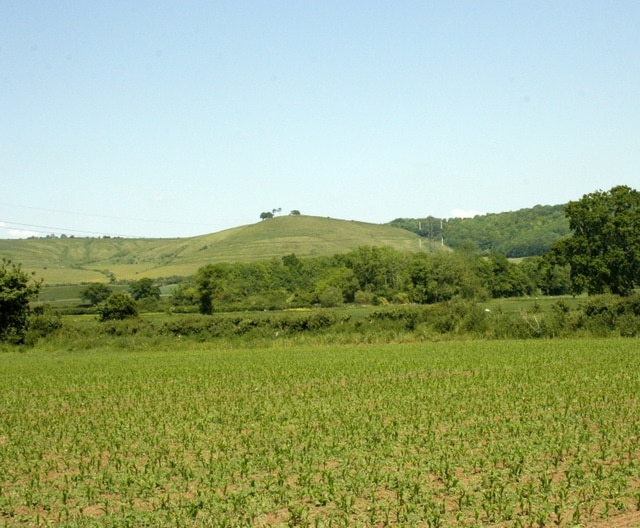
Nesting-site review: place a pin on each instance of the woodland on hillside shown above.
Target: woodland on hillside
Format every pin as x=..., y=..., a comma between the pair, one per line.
x=522, y=233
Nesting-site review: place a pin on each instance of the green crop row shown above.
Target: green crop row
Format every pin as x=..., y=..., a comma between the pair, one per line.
x=506, y=433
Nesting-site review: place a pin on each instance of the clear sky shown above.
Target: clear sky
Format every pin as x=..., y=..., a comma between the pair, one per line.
x=163, y=118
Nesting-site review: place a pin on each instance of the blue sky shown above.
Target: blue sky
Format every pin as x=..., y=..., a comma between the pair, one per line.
x=165, y=119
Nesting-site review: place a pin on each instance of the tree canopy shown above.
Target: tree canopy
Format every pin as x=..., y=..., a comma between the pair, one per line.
x=604, y=250
x=95, y=293
x=144, y=288
x=118, y=306
x=367, y=275
x=17, y=288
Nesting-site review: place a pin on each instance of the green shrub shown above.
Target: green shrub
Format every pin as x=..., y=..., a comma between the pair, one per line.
x=364, y=297
x=330, y=297
x=42, y=322
x=17, y=289
x=459, y=316
x=196, y=325
x=118, y=306
x=125, y=327
x=605, y=315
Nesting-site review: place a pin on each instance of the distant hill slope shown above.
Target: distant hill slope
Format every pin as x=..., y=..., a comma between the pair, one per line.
x=522, y=233
x=76, y=260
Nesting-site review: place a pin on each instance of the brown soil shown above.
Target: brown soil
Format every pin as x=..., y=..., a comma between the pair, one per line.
x=627, y=520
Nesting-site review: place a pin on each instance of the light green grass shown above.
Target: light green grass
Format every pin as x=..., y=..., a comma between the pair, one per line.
x=446, y=434
x=541, y=303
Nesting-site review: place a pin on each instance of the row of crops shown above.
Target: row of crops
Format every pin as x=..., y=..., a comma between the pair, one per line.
x=508, y=433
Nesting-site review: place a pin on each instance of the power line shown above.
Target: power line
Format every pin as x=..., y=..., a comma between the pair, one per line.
x=17, y=225
x=110, y=217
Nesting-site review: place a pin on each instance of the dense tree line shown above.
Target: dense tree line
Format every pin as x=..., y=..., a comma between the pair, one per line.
x=367, y=275
x=523, y=233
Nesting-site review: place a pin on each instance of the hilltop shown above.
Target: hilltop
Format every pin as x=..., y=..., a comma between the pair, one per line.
x=70, y=260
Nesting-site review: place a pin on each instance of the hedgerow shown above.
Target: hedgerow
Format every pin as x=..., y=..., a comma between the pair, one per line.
x=600, y=316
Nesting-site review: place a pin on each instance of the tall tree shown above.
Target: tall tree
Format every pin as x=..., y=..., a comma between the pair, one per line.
x=144, y=288
x=95, y=293
x=209, y=282
x=604, y=249
x=17, y=288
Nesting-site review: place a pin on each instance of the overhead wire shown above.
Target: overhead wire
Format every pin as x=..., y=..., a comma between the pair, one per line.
x=33, y=227
x=111, y=217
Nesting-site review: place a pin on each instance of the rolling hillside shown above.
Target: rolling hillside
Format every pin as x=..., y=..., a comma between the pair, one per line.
x=76, y=260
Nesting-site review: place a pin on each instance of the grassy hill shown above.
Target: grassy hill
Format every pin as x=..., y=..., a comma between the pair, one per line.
x=77, y=260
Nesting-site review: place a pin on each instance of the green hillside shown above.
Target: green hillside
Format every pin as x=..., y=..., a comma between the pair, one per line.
x=75, y=260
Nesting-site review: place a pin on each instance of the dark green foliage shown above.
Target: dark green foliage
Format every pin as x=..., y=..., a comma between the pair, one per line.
x=272, y=325
x=604, y=250
x=547, y=277
x=42, y=321
x=96, y=293
x=209, y=281
x=368, y=275
x=376, y=269
x=505, y=279
x=459, y=317
x=118, y=306
x=606, y=314
x=17, y=288
x=144, y=289
x=601, y=316
x=127, y=327
x=197, y=325
x=456, y=317
x=330, y=297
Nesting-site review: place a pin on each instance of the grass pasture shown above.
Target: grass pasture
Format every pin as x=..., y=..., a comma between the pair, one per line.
x=533, y=304
x=503, y=433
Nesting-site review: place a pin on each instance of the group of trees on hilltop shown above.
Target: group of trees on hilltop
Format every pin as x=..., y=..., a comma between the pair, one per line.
x=266, y=215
